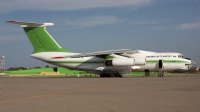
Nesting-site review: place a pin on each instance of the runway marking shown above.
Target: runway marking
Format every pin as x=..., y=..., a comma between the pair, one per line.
x=63, y=92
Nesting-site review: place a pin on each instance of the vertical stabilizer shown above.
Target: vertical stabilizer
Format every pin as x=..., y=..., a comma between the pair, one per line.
x=40, y=39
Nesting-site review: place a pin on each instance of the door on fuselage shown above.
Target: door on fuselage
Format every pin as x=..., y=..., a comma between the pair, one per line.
x=160, y=64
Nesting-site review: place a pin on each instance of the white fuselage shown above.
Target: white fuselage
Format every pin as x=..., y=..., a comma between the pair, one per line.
x=171, y=62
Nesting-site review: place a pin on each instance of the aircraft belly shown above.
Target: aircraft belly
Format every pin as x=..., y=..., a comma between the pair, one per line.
x=99, y=68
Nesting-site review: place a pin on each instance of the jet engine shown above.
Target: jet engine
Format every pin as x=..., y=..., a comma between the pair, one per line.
x=126, y=62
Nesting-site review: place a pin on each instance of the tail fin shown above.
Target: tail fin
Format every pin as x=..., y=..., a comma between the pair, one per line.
x=40, y=39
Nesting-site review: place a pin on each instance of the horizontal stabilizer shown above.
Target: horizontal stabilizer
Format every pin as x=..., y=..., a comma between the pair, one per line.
x=30, y=24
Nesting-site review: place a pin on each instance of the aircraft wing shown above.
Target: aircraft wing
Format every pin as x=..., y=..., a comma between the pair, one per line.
x=104, y=53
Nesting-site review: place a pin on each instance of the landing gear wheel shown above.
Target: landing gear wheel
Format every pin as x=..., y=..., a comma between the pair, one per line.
x=102, y=75
x=118, y=75
x=105, y=75
x=110, y=75
x=160, y=75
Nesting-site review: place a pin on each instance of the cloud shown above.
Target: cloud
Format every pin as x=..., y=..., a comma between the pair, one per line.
x=13, y=5
x=159, y=28
x=152, y=24
x=144, y=22
x=93, y=21
x=177, y=0
x=10, y=32
x=185, y=26
x=4, y=29
x=13, y=37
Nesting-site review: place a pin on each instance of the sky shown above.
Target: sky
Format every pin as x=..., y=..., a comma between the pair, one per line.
x=97, y=25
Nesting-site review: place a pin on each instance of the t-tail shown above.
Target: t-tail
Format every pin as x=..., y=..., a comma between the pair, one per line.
x=40, y=39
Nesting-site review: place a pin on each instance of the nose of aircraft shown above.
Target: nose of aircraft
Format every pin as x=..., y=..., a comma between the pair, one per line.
x=192, y=64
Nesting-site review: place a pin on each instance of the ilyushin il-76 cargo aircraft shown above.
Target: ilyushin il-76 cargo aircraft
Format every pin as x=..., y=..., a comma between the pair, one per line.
x=110, y=63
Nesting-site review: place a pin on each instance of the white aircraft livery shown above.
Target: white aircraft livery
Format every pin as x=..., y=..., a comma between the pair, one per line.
x=105, y=63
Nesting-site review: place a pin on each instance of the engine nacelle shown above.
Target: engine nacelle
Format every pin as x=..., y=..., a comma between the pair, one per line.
x=140, y=61
x=125, y=62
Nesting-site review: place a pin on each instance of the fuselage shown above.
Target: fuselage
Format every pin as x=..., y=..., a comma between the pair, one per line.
x=171, y=62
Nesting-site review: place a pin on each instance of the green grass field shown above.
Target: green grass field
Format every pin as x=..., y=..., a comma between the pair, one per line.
x=67, y=72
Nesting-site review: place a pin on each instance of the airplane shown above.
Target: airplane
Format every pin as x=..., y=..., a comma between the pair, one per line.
x=112, y=63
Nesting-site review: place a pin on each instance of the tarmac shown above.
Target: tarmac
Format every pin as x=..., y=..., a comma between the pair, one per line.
x=136, y=94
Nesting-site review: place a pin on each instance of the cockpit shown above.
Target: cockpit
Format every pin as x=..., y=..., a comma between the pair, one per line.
x=184, y=57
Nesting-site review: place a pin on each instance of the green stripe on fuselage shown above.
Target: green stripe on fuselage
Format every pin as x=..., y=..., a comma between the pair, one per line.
x=100, y=61
x=166, y=61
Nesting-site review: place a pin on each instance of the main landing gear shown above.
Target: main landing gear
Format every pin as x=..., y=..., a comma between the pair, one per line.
x=110, y=75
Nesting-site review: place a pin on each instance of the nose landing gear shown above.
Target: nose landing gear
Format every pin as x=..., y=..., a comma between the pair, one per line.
x=160, y=64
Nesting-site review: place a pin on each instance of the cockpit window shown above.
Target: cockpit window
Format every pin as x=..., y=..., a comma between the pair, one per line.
x=184, y=57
